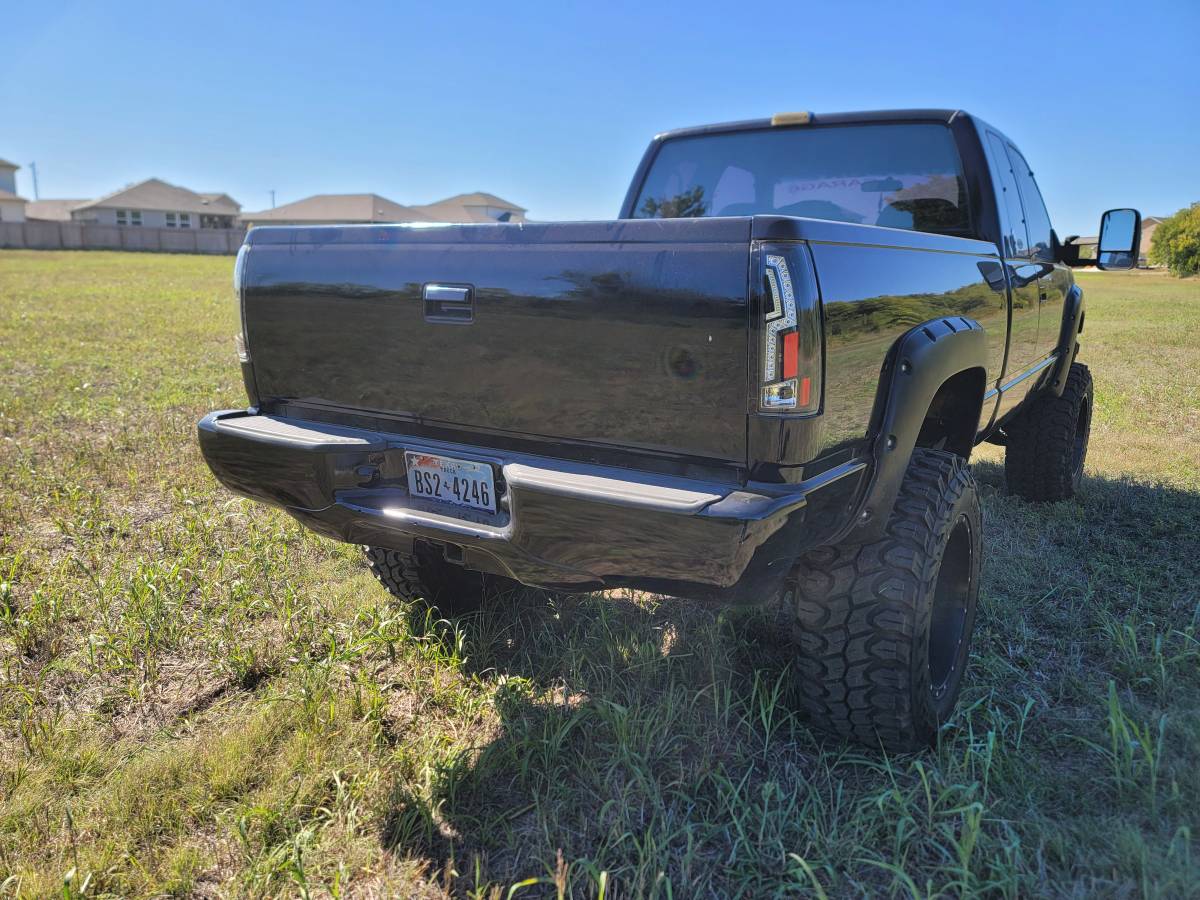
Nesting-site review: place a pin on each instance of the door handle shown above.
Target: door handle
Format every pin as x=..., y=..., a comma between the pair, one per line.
x=449, y=304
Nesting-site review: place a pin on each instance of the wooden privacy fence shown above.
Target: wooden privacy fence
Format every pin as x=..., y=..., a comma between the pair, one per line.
x=41, y=235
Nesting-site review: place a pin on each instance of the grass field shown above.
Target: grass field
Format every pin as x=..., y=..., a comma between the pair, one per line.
x=197, y=697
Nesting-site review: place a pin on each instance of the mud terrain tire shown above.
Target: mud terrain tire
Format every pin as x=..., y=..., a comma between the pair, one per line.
x=884, y=628
x=1046, y=447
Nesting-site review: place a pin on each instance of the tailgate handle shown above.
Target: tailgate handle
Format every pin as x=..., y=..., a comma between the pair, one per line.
x=449, y=304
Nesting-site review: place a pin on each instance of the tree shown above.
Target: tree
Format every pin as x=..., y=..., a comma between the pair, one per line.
x=1177, y=242
x=688, y=205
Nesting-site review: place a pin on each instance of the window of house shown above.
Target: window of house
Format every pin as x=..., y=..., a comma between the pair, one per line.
x=185, y=220
x=135, y=217
x=170, y=220
x=122, y=217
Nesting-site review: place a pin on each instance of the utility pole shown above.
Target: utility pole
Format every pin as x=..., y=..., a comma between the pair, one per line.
x=33, y=169
x=272, y=193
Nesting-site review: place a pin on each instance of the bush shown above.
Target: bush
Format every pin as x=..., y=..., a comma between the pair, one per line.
x=1177, y=242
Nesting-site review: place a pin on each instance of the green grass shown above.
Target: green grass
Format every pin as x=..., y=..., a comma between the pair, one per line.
x=197, y=697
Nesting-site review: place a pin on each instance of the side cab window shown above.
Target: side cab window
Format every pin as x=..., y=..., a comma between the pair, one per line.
x=1037, y=220
x=1016, y=238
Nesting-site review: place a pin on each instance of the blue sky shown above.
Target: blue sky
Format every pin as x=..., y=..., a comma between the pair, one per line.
x=551, y=105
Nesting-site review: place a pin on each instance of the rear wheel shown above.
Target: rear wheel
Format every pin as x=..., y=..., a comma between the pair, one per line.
x=1047, y=444
x=885, y=627
x=425, y=574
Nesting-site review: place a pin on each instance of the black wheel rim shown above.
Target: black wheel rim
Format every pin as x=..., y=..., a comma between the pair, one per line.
x=951, y=594
x=1083, y=427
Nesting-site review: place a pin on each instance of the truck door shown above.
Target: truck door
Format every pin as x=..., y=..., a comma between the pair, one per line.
x=1023, y=268
x=1055, y=278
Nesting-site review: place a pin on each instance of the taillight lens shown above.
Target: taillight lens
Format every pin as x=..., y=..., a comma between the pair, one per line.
x=239, y=266
x=791, y=332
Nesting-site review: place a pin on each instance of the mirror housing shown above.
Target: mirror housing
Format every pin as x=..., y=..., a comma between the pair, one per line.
x=1120, y=239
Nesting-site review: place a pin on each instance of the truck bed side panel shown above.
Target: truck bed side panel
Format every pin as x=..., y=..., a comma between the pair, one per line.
x=876, y=284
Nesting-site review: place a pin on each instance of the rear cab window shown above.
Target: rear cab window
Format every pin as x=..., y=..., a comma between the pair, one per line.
x=904, y=175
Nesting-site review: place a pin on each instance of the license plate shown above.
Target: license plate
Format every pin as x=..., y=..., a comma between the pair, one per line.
x=460, y=482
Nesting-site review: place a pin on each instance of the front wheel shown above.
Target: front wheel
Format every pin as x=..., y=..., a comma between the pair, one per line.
x=885, y=627
x=1047, y=444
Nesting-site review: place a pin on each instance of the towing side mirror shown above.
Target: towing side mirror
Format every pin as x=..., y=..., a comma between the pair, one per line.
x=1120, y=239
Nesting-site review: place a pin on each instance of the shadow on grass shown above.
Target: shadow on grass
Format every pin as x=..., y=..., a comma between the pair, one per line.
x=653, y=738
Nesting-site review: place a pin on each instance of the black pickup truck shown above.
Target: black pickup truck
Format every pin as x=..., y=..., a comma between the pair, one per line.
x=764, y=380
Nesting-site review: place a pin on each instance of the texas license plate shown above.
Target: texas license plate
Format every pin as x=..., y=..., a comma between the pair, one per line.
x=457, y=481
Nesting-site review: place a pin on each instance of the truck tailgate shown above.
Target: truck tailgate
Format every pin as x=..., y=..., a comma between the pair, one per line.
x=630, y=334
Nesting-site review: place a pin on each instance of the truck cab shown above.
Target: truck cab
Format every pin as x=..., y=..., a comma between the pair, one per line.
x=937, y=171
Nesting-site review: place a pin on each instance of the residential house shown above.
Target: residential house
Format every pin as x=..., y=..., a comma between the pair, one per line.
x=12, y=207
x=1149, y=226
x=366, y=209
x=335, y=209
x=154, y=203
x=52, y=210
x=474, y=207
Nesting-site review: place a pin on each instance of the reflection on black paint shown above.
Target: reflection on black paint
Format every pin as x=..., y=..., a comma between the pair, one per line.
x=872, y=295
x=616, y=334
x=577, y=353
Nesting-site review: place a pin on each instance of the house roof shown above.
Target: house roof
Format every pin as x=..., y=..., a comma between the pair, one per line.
x=5, y=164
x=5, y=195
x=52, y=210
x=482, y=198
x=467, y=207
x=212, y=197
x=340, y=208
x=154, y=193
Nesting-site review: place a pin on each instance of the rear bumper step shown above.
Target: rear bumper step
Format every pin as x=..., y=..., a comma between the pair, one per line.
x=558, y=523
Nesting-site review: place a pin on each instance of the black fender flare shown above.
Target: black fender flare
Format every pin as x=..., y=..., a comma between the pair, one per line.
x=1068, y=340
x=917, y=365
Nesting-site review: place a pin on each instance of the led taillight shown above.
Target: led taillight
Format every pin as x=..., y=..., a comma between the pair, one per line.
x=791, y=354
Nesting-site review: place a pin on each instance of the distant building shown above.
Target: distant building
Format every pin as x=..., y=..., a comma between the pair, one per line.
x=335, y=209
x=12, y=207
x=154, y=203
x=367, y=209
x=476, y=207
x=52, y=210
x=1149, y=226
x=8, y=176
